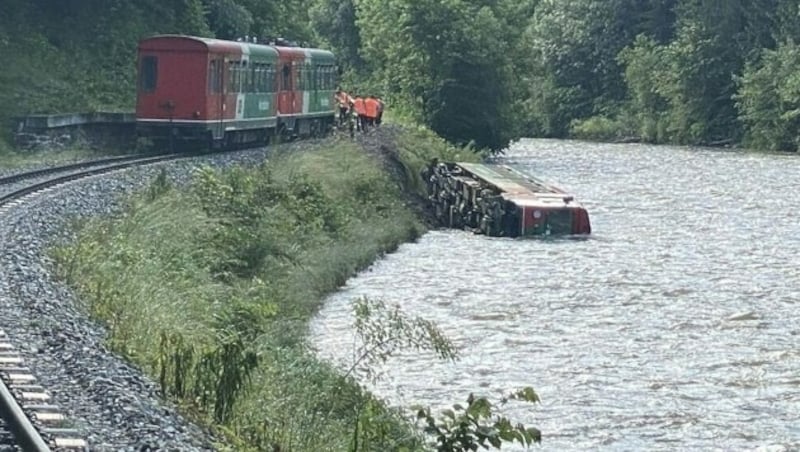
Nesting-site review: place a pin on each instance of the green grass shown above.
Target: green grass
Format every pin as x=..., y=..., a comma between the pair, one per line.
x=210, y=290
x=10, y=159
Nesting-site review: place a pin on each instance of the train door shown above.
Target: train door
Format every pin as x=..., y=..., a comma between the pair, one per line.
x=216, y=94
x=244, y=87
x=286, y=94
x=225, y=75
x=307, y=85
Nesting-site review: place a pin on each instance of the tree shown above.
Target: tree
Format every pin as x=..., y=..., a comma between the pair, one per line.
x=768, y=99
x=574, y=45
x=445, y=59
x=787, y=21
x=334, y=21
x=228, y=19
x=715, y=39
x=644, y=74
x=280, y=18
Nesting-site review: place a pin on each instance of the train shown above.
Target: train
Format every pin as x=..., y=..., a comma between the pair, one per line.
x=501, y=201
x=220, y=94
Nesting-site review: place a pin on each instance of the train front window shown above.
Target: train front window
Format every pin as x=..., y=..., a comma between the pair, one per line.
x=148, y=78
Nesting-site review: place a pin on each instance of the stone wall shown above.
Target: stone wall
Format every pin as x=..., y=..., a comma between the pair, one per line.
x=96, y=130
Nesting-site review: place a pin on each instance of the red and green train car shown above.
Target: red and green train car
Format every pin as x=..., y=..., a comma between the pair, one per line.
x=224, y=93
x=498, y=200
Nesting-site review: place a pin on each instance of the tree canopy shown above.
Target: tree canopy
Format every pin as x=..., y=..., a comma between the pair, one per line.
x=475, y=71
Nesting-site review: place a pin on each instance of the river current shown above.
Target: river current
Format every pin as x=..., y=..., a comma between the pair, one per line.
x=675, y=326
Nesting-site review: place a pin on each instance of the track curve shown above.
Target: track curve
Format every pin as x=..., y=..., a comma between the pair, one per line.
x=25, y=409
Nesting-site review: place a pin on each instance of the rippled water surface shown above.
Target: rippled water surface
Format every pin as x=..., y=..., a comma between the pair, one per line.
x=674, y=327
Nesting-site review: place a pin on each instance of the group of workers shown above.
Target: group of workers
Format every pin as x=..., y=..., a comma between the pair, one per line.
x=365, y=111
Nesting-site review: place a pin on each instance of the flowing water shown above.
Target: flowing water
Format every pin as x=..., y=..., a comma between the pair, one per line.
x=674, y=327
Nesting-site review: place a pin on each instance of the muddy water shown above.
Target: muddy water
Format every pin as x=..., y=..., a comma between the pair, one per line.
x=675, y=326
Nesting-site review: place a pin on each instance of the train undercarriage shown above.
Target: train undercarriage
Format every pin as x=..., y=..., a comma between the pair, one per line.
x=178, y=136
x=499, y=201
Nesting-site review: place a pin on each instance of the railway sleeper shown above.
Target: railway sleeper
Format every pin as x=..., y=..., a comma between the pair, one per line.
x=40, y=424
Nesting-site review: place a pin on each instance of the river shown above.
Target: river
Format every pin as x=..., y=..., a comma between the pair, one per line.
x=675, y=326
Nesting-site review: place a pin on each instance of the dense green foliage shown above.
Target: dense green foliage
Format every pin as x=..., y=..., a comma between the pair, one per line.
x=680, y=71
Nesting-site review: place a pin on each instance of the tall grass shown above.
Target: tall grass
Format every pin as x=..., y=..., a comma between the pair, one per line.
x=210, y=291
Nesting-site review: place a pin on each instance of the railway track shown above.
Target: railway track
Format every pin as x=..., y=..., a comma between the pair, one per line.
x=34, y=423
x=18, y=185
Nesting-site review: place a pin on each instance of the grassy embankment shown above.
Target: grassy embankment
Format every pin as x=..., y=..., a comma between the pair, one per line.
x=210, y=289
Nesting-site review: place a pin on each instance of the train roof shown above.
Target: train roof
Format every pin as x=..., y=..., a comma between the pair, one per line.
x=200, y=44
x=196, y=43
x=317, y=54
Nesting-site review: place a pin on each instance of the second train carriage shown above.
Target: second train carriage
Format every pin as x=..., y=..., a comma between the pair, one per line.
x=218, y=92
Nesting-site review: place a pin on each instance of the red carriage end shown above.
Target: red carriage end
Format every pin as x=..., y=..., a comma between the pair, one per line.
x=211, y=91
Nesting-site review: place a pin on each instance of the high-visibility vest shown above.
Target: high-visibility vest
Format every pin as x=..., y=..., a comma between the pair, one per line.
x=371, y=105
x=358, y=105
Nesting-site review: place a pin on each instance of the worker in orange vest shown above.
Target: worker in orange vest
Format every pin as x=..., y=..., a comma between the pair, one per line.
x=381, y=106
x=371, y=106
x=361, y=110
x=345, y=102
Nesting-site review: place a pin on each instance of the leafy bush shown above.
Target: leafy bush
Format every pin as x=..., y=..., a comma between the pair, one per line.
x=598, y=128
x=466, y=427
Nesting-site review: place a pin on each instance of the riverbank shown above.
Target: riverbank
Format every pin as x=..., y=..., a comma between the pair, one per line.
x=661, y=331
x=209, y=289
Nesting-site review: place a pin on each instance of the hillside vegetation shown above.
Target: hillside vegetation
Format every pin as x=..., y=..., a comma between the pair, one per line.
x=220, y=281
x=210, y=291
x=666, y=71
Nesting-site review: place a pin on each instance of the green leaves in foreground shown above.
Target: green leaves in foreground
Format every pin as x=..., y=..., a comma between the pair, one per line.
x=384, y=330
x=466, y=428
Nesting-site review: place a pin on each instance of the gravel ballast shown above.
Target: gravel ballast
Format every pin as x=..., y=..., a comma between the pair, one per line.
x=112, y=402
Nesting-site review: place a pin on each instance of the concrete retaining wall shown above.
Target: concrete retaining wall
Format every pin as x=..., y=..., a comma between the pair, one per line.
x=94, y=130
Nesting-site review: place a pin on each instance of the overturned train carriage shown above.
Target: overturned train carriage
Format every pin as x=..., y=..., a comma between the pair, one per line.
x=498, y=200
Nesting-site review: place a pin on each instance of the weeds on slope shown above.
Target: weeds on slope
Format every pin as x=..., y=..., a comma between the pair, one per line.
x=210, y=290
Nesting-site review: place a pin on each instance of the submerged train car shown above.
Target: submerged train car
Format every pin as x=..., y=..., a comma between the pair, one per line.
x=216, y=92
x=498, y=200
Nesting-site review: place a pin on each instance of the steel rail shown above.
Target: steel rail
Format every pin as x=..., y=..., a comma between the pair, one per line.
x=68, y=167
x=127, y=163
x=20, y=412
x=19, y=424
